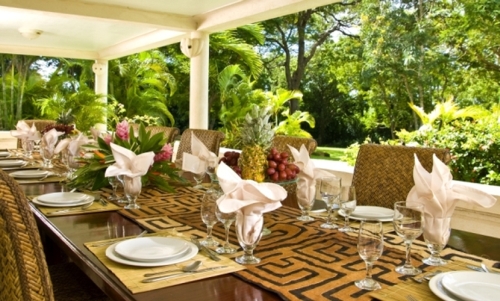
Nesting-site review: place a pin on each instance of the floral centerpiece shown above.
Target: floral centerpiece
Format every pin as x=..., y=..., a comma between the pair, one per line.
x=162, y=173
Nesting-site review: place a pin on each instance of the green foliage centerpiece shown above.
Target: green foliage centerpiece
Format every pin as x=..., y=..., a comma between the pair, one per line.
x=161, y=174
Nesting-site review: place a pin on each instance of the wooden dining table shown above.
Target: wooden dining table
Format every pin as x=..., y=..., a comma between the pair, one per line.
x=64, y=238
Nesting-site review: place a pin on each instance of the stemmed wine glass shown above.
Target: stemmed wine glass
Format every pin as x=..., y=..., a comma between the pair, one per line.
x=212, y=163
x=370, y=247
x=208, y=216
x=408, y=223
x=114, y=182
x=330, y=191
x=226, y=219
x=199, y=176
x=436, y=241
x=347, y=205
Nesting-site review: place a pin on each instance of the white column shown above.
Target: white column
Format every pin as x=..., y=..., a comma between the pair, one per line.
x=198, y=85
x=100, y=69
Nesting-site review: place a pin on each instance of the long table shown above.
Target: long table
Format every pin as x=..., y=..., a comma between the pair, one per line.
x=69, y=233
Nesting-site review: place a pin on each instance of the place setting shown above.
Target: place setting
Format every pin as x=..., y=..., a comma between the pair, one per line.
x=65, y=203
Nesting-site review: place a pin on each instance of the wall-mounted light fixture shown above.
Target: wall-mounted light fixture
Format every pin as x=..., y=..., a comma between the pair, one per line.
x=30, y=34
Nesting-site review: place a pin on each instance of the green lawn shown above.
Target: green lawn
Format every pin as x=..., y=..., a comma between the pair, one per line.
x=328, y=153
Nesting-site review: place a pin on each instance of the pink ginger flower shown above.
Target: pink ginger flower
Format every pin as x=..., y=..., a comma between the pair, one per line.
x=108, y=138
x=122, y=130
x=165, y=154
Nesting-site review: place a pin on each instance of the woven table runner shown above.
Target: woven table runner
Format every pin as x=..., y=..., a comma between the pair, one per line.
x=132, y=276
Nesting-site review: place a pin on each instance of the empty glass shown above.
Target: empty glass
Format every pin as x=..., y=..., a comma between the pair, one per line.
x=114, y=182
x=408, y=223
x=436, y=234
x=47, y=153
x=370, y=247
x=249, y=233
x=330, y=192
x=226, y=219
x=28, y=147
x=208, y=216
x=347, y=205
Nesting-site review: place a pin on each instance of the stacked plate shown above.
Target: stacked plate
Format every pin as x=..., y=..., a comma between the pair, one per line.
x=466, y=285
x=29, y=174
x=4, y=154
x=63, y=199
x=372, y=212
x=11, y=163
x=151, y=251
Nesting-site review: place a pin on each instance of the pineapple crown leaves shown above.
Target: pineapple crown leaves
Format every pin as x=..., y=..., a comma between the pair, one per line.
x=257, y=130
x=65, y=117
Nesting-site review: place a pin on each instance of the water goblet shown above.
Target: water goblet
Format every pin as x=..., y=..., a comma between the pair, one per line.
x=330, y=192
x=209, y=217
x=436, y=234
x=212, y=163
x=47, y=154
x=132, y=188
x=113, y=181
x=305, y=202
x=199, y=176
x=370, y=247
x=408, y=224
x=249, y=232
x=28, y=147
x=347, y=205
x=72, y=165
x=226, y=219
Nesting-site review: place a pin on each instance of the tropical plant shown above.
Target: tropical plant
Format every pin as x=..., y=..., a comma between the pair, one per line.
x=291, y=126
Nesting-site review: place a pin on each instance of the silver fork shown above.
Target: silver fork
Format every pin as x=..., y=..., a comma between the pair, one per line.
x=411, y=298
x=110, y=242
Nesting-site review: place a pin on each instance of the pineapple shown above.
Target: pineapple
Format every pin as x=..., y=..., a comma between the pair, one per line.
x=65, y=118
x=256, y=137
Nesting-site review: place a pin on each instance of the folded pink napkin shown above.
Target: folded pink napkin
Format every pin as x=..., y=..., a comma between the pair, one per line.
x=306, y=178
x=196, y=162
x=24, y=131
x=439, y=195
x=75, y=145
x=249, y=200
x=127, y=163
x=50, y=139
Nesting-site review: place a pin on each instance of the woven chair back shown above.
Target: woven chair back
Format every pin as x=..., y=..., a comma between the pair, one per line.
x=24, y=275
x=210, y=138
x=168, y=132
x=383, y=174
x=281, y=144
x=39, y=124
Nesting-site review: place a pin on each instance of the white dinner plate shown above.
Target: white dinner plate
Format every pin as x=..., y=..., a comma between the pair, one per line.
x=63, y=199
x=437, y=288
x=150, y=249
x=471, y=286
x=11, y=163
x=4, y=154
x=29, y=174
x=186, y=255
x=371, y=212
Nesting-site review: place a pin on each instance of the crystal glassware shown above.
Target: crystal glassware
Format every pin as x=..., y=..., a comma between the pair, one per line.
x=208, y=216
x=199, y=176
x=347, y=205
x=226, y=219
x=436, y=234
x=212, y=163
x=249, y=233
x=132, y=188
x=47, y=154
x=114, y=182
x=305, y=202
x=28, y=147
x=330, y=192
x=370, y=247
x=72, y=164
x=408, y=224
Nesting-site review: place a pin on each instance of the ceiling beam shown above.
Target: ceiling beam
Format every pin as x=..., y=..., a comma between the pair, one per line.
x=106, y=12
x=50, y=52
x=251, y=11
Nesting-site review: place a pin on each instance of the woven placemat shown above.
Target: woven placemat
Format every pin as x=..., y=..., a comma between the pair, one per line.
x=53, y=179
x=96, y=207
x=132, y=276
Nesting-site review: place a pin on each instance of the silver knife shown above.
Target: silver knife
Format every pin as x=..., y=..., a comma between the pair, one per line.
x=154, y=279
x=211, y=253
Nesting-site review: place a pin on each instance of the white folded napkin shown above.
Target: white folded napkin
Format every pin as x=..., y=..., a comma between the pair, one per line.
x=24, y=131
x=249, y=200
x=95, y=133
x=50, y=139
x=75, y=145
x=439, y=195
x=62, y=145
x=129, y=164
x=306, y=178
x=196, y=162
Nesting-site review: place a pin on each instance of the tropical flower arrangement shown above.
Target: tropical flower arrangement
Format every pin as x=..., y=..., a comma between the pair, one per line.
x=162, y=173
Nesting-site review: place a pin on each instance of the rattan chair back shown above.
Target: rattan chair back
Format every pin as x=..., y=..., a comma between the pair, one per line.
x=24, y=275
x=281, y=143
x=168, y=132
x=39, y=124
x=383, y=174
x=210, y=138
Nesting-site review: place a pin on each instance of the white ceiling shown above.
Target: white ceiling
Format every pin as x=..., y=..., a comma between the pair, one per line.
x=108, y=29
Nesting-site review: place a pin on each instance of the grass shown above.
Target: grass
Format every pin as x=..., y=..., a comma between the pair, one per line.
x=328, y=153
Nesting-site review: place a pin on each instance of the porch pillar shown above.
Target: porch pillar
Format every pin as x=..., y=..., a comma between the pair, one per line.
x=196, y=47
x=100, y=69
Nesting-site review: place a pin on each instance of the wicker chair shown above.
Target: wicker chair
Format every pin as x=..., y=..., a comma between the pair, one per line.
x=39, y=124
x=281, y=144
x=383, y=174
x=211, y=139
x=25, y=275
x=168, y=132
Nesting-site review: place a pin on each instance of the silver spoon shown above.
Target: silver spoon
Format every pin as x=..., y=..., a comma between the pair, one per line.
x=86, y=206
x=189, y=268
x=485, y=268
